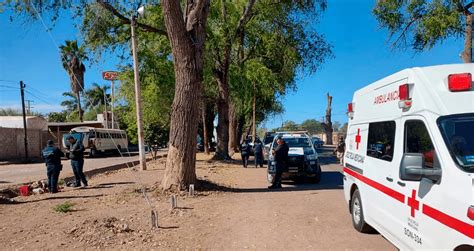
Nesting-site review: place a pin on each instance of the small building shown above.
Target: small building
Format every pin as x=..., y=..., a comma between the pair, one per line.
x=12, y=137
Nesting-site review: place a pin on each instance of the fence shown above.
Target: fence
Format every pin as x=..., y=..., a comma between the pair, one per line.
x=12, y=146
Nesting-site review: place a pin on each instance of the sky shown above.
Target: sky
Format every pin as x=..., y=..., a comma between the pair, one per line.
x=362, y=55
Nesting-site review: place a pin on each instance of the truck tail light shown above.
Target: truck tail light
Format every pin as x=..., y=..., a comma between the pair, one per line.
x=404, y=96
x=460, y=82
x=470, y=212
x=350, y=110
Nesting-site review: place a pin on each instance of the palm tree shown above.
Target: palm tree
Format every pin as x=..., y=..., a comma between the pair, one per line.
x=70, y=104
x=97, y=96
x=72, y=57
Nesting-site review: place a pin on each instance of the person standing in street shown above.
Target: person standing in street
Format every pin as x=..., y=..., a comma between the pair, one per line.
x=52, y=158
x=76, y=154
x=245, y=152
x=281, y=158
x=258, y=152
x=340, y=149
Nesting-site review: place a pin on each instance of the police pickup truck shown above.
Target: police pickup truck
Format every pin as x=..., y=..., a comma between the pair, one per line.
x=303, y=162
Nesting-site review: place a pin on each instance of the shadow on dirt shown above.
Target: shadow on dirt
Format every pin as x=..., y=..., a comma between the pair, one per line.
x=55, y=198
x=329, y=181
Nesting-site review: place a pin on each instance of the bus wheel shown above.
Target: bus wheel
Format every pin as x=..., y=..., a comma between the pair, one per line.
x=358, y=214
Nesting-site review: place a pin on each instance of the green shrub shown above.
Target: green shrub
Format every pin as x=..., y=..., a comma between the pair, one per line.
x=64, y=207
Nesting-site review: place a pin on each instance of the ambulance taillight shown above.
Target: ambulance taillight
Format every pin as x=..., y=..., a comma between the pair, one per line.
x=460, y=82
x=470, y=212
x=404, y=96
x=350, y=110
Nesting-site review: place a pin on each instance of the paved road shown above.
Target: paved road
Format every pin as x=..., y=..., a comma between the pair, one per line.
x=14, y=174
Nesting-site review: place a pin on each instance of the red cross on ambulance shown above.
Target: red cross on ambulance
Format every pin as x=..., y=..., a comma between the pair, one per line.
x=358, y=139
x=413, y=203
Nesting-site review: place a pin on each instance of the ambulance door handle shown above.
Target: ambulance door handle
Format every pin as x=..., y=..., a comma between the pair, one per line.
x=401, y=183
x=389, y=179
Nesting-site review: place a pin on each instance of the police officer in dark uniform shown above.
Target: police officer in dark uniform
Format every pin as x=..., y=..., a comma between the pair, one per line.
x=52, y=158
x=258, y=152
x=245, y=152
x=281, y=158
x=76, y=154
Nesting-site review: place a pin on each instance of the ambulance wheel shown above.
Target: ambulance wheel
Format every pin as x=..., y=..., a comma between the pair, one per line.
x=358, y=214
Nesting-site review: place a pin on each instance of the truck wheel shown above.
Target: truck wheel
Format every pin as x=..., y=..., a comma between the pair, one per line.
x=317, y=178
x=358, y=214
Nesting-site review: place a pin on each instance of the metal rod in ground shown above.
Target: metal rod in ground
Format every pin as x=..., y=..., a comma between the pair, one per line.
x=154, y=219
x=174, y=201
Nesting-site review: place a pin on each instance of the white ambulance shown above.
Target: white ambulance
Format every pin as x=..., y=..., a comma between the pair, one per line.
x=409, y=160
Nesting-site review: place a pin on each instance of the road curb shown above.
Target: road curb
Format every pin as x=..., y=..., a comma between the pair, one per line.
x=14, y=190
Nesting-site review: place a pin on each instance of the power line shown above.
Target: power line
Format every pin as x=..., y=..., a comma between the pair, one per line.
x=7, y=86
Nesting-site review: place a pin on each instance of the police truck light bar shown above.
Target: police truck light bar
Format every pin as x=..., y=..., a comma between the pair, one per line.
x=460, y=82
x=404, y=96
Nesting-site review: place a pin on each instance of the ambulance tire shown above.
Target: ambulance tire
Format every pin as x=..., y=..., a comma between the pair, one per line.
x=357, y=214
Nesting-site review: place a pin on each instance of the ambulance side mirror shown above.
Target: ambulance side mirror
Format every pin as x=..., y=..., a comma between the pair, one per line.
x=413, y=168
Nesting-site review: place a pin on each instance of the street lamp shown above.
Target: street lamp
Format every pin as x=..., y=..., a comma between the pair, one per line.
x=138, y=96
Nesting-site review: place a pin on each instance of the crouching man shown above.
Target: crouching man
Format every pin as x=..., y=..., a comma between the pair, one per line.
x=52, y=158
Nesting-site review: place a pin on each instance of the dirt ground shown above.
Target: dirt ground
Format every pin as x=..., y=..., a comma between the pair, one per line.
x=238, y=213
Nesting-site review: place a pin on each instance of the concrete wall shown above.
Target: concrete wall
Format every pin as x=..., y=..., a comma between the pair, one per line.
x=12, y=143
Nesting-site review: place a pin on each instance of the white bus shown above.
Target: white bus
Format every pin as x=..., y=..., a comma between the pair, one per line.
x=98, y=140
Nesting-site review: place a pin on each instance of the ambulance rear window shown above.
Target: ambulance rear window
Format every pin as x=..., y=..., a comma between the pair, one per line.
x=381, y=140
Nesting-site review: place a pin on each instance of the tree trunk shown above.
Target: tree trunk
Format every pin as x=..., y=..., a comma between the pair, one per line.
x=327, y=125
x=467, y=53
x=79, y=108
x=222, y=151
x=187, y=43
x=233, y=130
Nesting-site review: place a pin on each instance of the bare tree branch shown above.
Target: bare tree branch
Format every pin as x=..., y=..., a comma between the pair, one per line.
x=126, y=20
x=405, y=29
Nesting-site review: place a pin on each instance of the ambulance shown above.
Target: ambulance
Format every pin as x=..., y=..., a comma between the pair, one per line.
x=409, y=160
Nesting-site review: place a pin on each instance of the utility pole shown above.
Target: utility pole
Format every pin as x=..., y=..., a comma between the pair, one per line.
x=112, y=104
x=28, y=107
x=105, y=108
x=138, y=96
x=254, y=126
x=22, y=91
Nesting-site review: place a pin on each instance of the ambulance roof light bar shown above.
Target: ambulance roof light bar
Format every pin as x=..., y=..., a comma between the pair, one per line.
x=460, y=82
x=350, y=110
x=404, y=96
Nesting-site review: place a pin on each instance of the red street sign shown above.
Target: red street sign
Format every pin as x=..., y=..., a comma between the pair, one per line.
x=110, y=75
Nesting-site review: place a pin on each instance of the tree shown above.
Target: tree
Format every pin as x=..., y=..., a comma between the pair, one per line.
x=289, y=125
x=70, y=104
x=312, y=126
x=336, y=126
x=72, y=57
x=10, y=112
x=422, y=24
x=97, y=96
x=57, y=116
x=187, y=33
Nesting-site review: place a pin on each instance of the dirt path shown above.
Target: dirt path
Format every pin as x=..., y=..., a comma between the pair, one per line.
x=112, y=214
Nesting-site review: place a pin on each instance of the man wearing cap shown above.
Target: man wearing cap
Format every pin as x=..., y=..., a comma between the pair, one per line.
x=281, y=158
x=52, y=158
x=76, y=154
